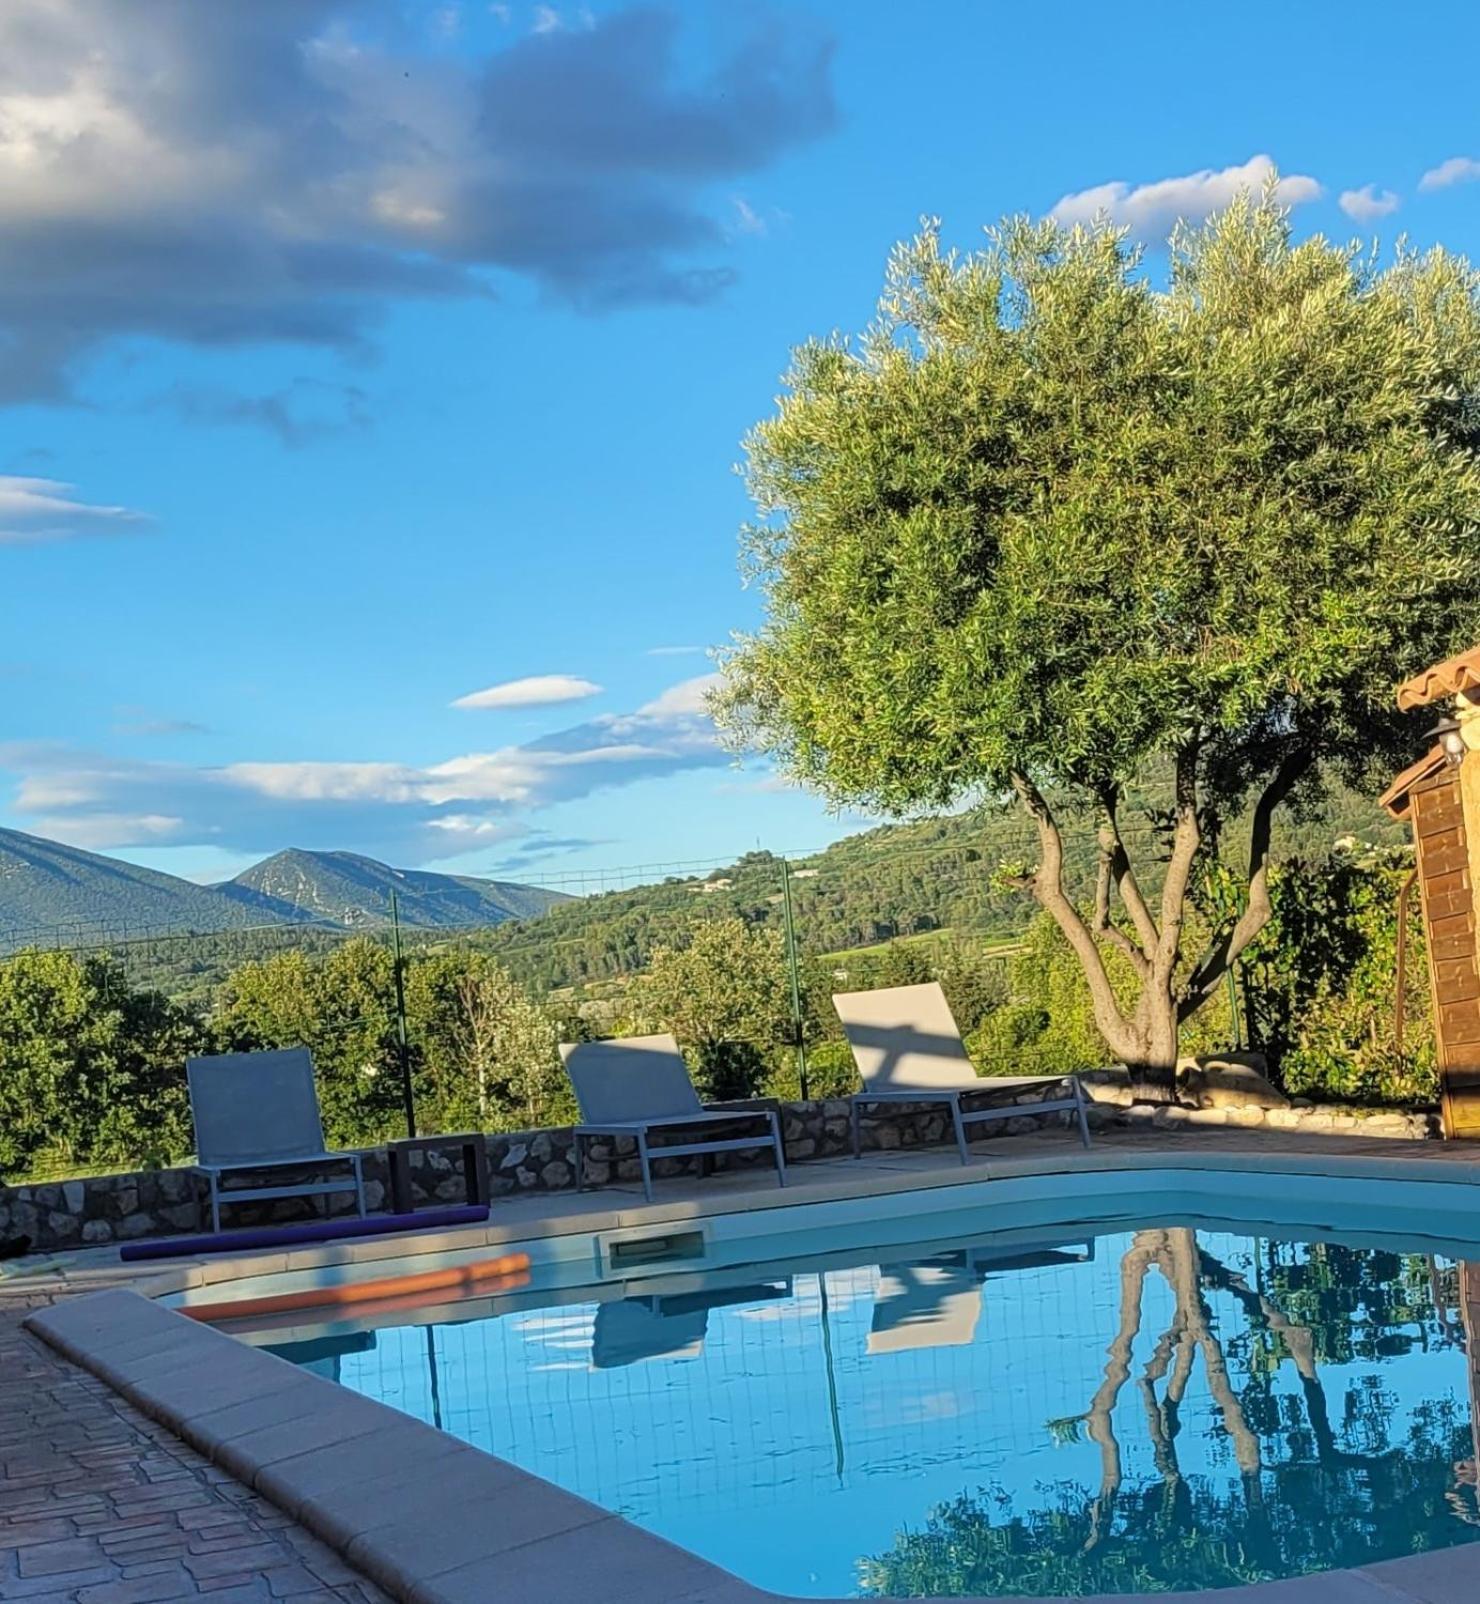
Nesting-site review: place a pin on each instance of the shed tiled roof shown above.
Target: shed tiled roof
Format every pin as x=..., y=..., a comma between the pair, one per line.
x=1460, y=673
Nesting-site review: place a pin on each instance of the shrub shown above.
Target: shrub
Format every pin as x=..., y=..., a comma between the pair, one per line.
x=1321, y=983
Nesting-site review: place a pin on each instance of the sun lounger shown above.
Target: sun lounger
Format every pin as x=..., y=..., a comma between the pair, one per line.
x=670, y=1325
x=256, y=1112
x=930, y=1303
x=640, y=1084
x=908, y=1050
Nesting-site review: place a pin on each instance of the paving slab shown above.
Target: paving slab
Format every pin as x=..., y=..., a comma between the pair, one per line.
x=632, y=1565
x=391, y=1491
x=470, y=1527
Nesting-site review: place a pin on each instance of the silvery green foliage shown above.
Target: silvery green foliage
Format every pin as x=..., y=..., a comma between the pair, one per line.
x=1050, y=522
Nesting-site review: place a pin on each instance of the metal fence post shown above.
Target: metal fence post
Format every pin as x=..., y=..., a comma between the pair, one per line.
x=798, y=1028
x=403, y=1051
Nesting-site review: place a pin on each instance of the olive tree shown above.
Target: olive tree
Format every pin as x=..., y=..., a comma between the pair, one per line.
x=1055, y=522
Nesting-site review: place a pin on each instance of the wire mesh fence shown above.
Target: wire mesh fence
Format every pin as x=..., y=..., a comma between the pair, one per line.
x=738, y=957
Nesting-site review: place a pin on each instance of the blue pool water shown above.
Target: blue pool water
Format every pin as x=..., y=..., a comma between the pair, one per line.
x=1177, y=1406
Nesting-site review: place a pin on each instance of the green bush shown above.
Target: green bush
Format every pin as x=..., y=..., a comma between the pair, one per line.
x=92, y=1073
x=1321, y=983
x=830, y=1073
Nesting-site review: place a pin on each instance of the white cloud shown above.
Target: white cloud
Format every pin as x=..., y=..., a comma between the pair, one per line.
x=44, y=509
x=1457, y=170
x=470, y=829
x=99, y=831
x=690, y=696
x=747, y=219
x=771, y=784
x=326, y=782
x=1150, y=210
x=535, y=690
x=138, y=724
x=1368, y=203
x=676, y=651
x=400, y=811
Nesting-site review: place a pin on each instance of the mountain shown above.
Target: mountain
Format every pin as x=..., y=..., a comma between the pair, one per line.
x=346, y=889
x=903, y=879
x=51, y=894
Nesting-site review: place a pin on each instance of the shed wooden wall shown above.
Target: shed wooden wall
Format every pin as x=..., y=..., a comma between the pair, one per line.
x=1449, y=921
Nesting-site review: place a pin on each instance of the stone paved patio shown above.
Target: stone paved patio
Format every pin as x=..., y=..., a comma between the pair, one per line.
x=99, y=1505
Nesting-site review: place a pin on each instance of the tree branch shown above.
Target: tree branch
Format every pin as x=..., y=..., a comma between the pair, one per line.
x=1101, y=921
x=1048, y=890
x=1234, y=938
x=1101, y=925
x=1123, y=875
x=1186, y=838
x=1106, y=931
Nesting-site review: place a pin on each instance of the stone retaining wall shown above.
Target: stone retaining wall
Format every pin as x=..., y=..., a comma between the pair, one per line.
x=99, y=1209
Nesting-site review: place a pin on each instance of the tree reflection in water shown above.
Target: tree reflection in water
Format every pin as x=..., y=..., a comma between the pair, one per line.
x=1307, y=1495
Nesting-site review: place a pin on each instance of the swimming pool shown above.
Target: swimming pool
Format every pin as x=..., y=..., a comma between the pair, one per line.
x=1161, y=1400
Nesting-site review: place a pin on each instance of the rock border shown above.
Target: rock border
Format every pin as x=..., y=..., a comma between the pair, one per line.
x=101, y=1209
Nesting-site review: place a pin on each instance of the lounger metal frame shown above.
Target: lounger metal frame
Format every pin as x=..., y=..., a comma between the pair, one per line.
x=220, y=1196
x=640, y=1130
x=962, y=1118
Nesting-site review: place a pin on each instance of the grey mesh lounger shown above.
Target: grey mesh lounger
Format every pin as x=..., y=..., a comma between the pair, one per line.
x=908, y=1050
x=640, y=1084
x=257, y=1112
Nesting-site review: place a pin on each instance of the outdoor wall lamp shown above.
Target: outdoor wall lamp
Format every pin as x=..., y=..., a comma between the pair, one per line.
x=1447, y=733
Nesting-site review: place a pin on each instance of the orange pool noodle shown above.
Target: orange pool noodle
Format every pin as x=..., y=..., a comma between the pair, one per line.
x=509, y=1267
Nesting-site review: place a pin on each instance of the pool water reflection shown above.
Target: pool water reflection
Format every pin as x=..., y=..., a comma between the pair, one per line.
x=1168, y=1407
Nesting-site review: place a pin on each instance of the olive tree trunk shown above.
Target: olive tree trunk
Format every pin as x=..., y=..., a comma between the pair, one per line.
x=1143, y=1031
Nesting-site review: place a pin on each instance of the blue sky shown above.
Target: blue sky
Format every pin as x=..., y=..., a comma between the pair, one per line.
x=357, y=359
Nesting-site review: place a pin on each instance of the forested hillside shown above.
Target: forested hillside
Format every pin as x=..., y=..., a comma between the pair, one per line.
x=50, y=893
x=896, y=880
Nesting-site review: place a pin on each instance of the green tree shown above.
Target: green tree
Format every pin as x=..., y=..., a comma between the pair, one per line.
x=341, y=1008
x=1048, y=527
x=725, y=996
x=488, y=1051
x=91, y=1071
x=1047, y=1025
x=1321, y=980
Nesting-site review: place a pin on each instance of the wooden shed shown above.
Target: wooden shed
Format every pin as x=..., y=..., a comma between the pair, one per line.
x=1440, y=797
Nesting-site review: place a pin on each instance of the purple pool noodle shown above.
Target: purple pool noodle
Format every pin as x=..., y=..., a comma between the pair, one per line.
x=277, y=1236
